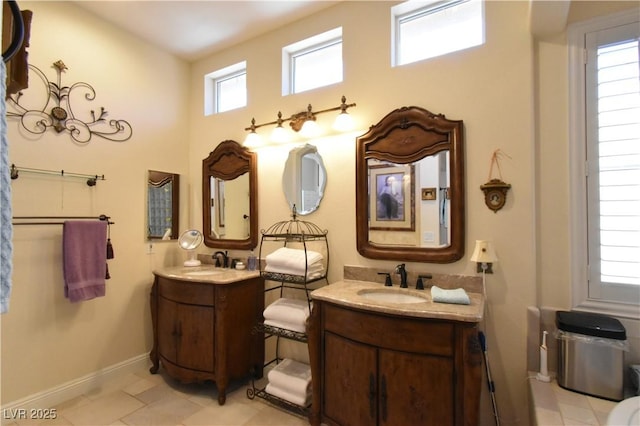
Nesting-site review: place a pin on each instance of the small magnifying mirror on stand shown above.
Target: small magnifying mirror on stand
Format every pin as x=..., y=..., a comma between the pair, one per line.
x=190, y=240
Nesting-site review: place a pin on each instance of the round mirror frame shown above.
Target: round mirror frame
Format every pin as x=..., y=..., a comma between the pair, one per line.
x=228, y=161
x=191, y=243
x=403, y=136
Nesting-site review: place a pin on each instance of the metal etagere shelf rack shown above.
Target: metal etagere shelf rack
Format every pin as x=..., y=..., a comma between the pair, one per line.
x=292, y=233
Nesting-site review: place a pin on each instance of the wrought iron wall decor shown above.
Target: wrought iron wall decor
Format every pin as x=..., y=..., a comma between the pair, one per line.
x=61, y=116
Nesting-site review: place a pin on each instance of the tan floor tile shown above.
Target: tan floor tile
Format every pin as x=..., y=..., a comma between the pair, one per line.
x=110, y=386
x=231, y=413
x=270, y=415
x=103, y=411
x=55, y=419
x=157, y=399
x=167, y=411
x=139, y=386
x=156, y=393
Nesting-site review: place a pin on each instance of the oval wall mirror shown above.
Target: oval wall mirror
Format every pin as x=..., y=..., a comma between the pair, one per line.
x=410, y=188
x=230, y=197
x=304, y=179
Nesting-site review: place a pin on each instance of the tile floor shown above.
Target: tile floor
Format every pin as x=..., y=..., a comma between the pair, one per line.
x=146, y=399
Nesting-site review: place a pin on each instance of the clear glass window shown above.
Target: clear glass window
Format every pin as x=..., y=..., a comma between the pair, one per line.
x=231, y=92
x=313, y=62
x=441, y=27
x=225, y=89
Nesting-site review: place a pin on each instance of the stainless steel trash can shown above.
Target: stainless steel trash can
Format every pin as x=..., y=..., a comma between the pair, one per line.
x=591, y=351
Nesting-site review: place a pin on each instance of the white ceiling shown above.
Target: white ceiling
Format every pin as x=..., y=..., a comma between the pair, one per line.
x=194, y=29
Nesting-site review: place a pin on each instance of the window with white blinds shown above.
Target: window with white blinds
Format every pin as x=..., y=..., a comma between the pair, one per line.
x=612, y=150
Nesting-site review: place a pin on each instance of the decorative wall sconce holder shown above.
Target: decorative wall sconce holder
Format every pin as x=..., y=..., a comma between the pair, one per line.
x=61, y=117
x=495, y=190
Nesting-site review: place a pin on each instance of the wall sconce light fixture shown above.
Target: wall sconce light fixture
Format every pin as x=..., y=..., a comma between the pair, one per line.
x=484, y=256
x=302, y=122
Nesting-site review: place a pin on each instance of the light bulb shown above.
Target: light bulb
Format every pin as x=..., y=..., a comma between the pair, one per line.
x=280, y=135
x=310, y=129
x=343, y=122
x=253, y=140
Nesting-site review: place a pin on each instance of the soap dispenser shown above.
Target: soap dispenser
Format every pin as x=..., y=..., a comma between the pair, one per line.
x=252, y=261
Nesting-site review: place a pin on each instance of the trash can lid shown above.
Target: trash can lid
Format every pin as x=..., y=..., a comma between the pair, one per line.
x=590, y=324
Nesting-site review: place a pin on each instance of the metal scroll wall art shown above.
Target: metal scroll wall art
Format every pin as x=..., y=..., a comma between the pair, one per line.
x=57, y=114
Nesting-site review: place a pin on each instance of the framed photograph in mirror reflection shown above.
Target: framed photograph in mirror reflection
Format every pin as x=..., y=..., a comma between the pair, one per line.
x=391, y=198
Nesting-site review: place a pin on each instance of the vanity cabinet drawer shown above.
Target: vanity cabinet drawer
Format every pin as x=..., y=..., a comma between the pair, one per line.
x=436, y=338
x=182, y=292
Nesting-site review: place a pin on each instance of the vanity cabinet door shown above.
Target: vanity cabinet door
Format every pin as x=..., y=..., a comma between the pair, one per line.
x=185, y=334
x=415, y=389
x=167, y=329
x=196, y=328
x=350, y=385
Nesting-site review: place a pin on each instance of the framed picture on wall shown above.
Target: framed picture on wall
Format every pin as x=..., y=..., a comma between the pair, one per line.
x=391, y=200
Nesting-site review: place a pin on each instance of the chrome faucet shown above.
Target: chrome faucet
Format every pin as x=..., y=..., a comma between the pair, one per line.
x=403, y=275
x=225, y=259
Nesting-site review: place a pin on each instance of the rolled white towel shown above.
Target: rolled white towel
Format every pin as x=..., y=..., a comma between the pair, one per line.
x=289, y=311
x=302, y=400
x=291, y=376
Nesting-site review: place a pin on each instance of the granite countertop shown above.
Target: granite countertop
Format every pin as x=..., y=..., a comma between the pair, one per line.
x=206, y=274
x=346, y=293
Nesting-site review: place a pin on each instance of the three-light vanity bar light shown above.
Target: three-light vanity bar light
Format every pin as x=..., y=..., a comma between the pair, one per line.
x=303, y=122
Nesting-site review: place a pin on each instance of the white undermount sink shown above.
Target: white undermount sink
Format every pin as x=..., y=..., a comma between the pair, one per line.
x=391, y=296
x=203, y=272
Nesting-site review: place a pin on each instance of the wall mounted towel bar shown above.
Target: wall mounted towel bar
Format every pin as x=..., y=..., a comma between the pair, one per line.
x=91, y=179
x=55, y=220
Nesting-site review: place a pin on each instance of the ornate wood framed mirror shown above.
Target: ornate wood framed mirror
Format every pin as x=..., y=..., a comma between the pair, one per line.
x=230, y=197
x=410, y=200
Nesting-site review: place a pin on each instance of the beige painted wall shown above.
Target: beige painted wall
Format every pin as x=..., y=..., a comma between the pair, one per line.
x=510, y=92
x=46, y=340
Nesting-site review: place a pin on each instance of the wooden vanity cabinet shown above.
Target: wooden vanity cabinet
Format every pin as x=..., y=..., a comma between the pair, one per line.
x=202, y=330
x=370, y=368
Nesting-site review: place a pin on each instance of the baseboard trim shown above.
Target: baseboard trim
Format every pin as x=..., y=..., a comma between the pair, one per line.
x=74, y=388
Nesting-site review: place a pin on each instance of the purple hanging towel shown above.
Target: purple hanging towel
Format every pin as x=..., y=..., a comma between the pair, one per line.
x=84, y=259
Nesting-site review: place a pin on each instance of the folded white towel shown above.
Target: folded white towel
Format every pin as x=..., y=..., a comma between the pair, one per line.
x=300, y=328
x=291, y=376
x=301, y=400
x=288, y=310
x=295, y=259
x=457, y=296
